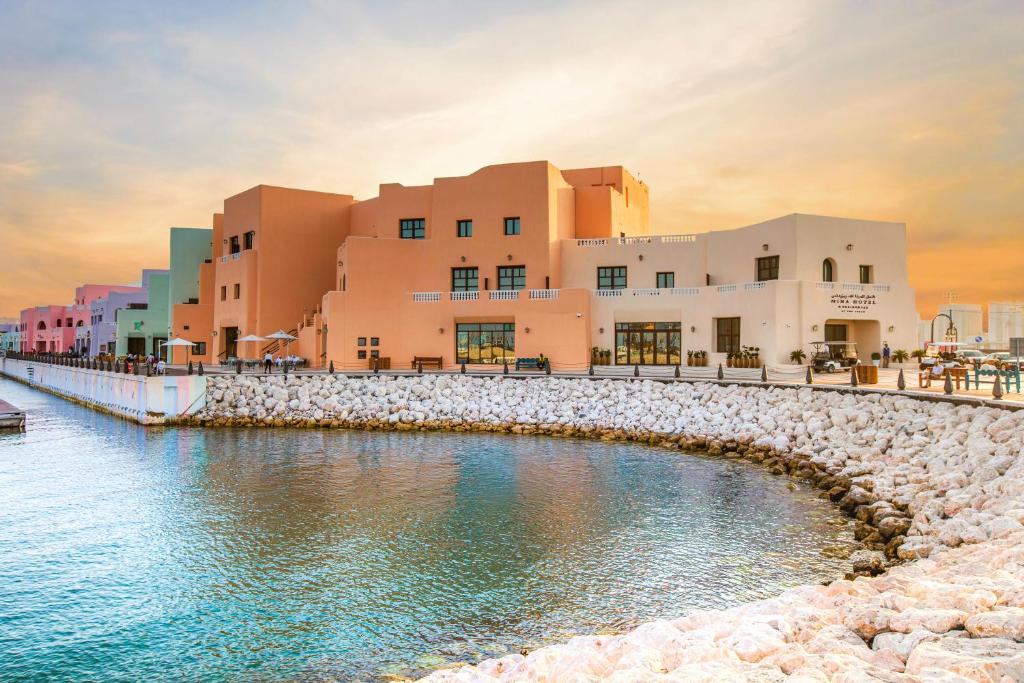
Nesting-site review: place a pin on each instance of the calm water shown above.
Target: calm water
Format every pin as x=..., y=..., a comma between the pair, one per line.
x=185, y=554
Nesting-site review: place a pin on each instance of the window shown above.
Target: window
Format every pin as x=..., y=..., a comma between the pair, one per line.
x=611, y=277
x=238, y=290
x=412, y=228
x=512, y=226
x=59, y=323
x=374, y=341
x=485, y=342
x=648, y=343
x=199, y=349
x=374, y=353
x=361, y=355
x=360, y=341
x=248, y=239
x=666, y=280
x=767, y=268
x=234, y=244
x=728, y=335
x=41, y=325
x=463, y=228
x=465, y=280
x=69, y=322
x=867, y=275
x=511, y=277
x=828, y=270
x=224, y=293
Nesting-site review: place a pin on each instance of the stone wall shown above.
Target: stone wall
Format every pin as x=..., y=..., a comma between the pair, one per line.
x=147, y=400
x=937, y=488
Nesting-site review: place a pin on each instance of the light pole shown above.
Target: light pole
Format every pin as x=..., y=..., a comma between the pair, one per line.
x=950, y=331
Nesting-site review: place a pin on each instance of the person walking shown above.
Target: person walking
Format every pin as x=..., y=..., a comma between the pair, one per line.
x=268, y=363
x=886, y=353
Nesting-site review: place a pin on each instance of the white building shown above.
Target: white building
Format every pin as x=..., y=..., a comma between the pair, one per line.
x=1005, y=320
x=778, y=285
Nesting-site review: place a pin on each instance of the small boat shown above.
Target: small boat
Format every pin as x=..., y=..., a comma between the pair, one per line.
x=11, y=417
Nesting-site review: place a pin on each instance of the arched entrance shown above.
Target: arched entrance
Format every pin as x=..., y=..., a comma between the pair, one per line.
x=866, y=334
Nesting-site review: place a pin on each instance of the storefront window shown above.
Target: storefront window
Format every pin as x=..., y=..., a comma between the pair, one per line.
x=647, y=343
x=485, y=342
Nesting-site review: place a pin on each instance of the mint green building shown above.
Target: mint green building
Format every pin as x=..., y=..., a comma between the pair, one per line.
x=190, y=247
x=142, y=328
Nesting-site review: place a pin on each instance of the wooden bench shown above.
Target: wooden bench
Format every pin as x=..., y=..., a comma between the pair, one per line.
x=424, y=361
x=529, y=364
x=924, y=379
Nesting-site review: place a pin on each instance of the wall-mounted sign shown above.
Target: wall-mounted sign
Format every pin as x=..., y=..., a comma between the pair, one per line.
x=853, y=303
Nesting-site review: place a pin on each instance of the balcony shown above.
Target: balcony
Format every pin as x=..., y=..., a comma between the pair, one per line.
x=639, y=239
x=647, y=292
x=853, y=287
x=492, y=295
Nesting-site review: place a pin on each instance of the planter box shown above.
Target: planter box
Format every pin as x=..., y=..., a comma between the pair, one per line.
x=867, y=374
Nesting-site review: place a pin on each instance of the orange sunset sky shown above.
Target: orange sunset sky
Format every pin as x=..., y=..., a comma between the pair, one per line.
x=120, y=120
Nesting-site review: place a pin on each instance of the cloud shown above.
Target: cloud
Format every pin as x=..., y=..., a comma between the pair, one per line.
x=117, y=123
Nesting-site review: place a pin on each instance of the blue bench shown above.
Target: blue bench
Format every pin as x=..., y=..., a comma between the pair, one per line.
x=529, y=364
x=1009, y=375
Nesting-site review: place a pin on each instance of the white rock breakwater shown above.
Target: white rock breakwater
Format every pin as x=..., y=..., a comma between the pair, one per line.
x=934, y=483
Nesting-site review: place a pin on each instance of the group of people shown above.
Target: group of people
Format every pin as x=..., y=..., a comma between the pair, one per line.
x=269, y=361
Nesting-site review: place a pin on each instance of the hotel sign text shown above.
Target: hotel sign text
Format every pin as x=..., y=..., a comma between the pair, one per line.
x=853, y=303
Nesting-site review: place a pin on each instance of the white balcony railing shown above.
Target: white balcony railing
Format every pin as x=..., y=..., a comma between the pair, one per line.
x=607, y=293
x=852, y=287
x=753, y=286
x=422, y=297
x=237, y=255
x=725, y=289
x=825, y=285
x=647, y=291
x=684, y=291
x=636, y=239
x=543, y=293
x=504, y=295
x=881, y=288
x=465, y=296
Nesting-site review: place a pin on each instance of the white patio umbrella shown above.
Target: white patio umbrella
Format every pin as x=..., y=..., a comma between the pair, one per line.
x=178, y=341
x=252, y=338
x=281, y=335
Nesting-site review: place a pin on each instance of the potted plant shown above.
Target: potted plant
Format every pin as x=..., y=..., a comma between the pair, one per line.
x=797, y=356
x=900, y=355
x=876, y=358
x=607, y=356
x=755, y=355
x=728, y=359
x=704, y=358
x=689, y=358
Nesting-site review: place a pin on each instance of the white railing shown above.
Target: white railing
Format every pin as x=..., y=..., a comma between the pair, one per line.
x=465, y=296
x=223, y=259
x=852, y=287
x=725, y=289
x=544, y=293
x=825, y=285
x=607, y=293
x=237, y=255
x=636, y=239
x=420, y=297
x=882, y=288
x=753, y=286
x=646, y=291
x=505, y=295
x=684, y=291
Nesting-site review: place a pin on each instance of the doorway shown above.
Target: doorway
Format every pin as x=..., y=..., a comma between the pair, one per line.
x=230, y=342
x=137, y=346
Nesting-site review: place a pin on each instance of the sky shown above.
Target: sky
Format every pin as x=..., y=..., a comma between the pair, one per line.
x=121, y=119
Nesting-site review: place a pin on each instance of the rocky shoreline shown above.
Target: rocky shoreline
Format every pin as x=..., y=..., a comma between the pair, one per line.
x=937, y=486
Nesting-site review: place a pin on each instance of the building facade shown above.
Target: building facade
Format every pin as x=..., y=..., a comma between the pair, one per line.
x=1005, y=322
x=100, y=335
x=10, y=337
x=143, y=328
x=190, y=291
x=519, y=260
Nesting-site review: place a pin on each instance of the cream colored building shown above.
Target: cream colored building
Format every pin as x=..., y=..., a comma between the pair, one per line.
x=778, y=285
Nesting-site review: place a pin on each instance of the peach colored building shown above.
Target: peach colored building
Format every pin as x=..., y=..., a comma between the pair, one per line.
x=521, y=259
x=272, y=259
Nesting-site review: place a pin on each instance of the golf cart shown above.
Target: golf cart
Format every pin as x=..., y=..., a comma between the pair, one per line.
x=833, y=356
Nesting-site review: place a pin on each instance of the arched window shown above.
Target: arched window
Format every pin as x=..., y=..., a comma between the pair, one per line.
x=828, y=270
x=79, y=323
x=41, y=325
x=58, y=322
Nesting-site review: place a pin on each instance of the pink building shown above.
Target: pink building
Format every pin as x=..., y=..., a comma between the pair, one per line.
x=51, y=329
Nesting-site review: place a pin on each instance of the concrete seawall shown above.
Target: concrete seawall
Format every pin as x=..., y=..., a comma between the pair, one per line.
x=146, y=400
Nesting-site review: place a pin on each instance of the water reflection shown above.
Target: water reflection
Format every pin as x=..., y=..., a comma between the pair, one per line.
x=283, y=554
